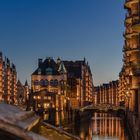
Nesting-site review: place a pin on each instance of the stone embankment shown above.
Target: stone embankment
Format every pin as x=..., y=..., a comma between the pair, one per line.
x=16, y=123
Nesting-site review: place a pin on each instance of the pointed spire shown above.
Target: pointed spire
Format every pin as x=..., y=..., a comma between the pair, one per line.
x=26, y=83
x=19, y=82
x=84, y=59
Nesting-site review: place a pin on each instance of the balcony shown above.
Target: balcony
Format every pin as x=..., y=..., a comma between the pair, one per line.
x=125, y=49
x=136, y=24
x=130, y=34
x=129, y=3
x=130, y=50
x=128, y=19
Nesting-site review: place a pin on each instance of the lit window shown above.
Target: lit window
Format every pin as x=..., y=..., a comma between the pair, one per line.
x=49, y=98
x=45, y=97
x=39, y=97
x=34, y=97
x=46, y=105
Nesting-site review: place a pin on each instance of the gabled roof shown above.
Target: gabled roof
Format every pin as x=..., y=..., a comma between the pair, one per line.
x=26, y=83
x=74, y=69
x=19, y=83
x=49, y=66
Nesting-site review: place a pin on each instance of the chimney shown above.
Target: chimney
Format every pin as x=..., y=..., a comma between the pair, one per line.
x=58, y=60
x=39, y=62
x=1, y=55
x=8, y=62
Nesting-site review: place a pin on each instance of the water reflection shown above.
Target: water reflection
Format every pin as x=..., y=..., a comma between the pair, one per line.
x=60, y=118
x=102, y=126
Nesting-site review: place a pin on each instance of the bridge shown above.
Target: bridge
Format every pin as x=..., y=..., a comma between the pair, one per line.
x=103, y=107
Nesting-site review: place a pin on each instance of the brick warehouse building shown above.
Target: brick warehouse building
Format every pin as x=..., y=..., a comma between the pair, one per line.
x=8, y=79
x=107, y=93
x=129, y=83
x=71, y=82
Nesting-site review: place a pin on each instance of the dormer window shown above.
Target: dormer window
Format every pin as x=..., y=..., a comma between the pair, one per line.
x=49, y=71
x=39, y=71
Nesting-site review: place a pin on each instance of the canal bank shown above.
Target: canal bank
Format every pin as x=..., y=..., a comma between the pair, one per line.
x=52, y=132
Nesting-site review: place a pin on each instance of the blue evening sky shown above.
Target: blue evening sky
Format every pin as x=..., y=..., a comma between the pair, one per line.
x=70, y=29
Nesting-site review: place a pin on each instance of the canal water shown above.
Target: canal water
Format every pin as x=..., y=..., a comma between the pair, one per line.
x=101, y=126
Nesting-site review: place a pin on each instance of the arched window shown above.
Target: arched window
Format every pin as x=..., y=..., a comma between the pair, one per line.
x=55, y=82
x=51, y=83
x=46, y=83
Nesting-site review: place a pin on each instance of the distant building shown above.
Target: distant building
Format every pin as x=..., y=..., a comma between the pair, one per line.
x=107, y=93
x=22, y=93
x=8, y=77
x=71, y=82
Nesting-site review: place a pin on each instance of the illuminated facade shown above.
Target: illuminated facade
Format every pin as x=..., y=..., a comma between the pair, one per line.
x=52, y=77
x=107, y=93
x=8, y=77
x=44, y=100
x=129, y=83
x=70, y=81
x=80, y=82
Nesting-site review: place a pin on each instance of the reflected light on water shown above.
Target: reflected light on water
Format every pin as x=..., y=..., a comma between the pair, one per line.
x=104, y=126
